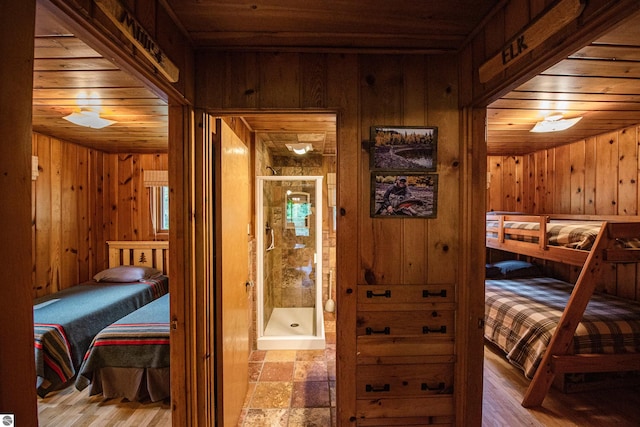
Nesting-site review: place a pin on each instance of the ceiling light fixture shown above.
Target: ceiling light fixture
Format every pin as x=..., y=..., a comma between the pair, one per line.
x=554, y=123
x=300, y=148
x=88, y=118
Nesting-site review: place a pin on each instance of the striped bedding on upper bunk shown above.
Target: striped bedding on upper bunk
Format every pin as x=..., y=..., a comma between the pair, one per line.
x=574, y=235
x=521, y=315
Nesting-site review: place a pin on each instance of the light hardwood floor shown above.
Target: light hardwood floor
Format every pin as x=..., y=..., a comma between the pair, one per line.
x=504, y=386
x=70, y=407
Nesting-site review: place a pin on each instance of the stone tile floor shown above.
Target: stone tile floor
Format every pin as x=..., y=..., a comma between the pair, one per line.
x=292, y=388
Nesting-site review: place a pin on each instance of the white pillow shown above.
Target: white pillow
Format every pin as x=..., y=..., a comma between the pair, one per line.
x=126, y=274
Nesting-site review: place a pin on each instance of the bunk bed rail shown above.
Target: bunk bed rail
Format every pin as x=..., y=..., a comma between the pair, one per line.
x=529, y=235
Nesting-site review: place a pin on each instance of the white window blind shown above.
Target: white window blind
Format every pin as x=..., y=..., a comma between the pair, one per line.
x=156, y=178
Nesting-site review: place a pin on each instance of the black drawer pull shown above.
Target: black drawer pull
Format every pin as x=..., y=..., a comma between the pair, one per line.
x=385, y=331
x=427, y=294
x=386, y=294
x=425, y=387
x=372, y=389
x=442, y=329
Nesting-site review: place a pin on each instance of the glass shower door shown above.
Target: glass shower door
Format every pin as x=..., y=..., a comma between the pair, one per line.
x=289, y=261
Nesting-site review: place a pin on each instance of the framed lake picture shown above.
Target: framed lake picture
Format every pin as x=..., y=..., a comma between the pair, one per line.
x=403, y=148
x=405, y=194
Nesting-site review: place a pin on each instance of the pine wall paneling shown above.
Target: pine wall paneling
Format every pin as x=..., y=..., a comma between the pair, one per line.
x=343, y=92
x=628, y=172
x=596, y=176
x=81, y=199
x=590, y=176
x=606, y=174
x=577, y=179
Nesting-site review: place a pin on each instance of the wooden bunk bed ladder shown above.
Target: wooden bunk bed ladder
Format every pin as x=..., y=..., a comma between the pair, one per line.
x=556, y=359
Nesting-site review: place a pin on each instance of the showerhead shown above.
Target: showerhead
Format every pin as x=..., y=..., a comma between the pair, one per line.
x=273, y=171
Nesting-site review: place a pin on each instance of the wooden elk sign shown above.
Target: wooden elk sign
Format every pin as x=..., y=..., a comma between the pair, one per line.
x=531, y=37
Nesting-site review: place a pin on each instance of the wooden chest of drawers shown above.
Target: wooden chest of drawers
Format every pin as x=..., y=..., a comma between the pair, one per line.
x=405, y=354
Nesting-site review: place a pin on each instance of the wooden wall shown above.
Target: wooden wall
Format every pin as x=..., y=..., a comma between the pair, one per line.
x=364, y=90
x=595, y=176
x=564, y=179
x=81, y=199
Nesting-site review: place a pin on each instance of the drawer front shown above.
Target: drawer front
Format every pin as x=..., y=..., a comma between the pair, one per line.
x=387, y=348
x=438, y=407
x=377, y=381
x=405, y=294
x=426, y=323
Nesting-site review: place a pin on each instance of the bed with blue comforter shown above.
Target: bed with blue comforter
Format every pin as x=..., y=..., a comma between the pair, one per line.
x=66, y=322
x=130, y=358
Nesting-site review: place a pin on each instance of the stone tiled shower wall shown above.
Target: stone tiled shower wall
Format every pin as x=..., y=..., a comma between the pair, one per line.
x=287, y=292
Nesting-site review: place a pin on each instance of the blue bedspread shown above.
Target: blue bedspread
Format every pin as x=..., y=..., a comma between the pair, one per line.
x=138, y=340
x=66, y=322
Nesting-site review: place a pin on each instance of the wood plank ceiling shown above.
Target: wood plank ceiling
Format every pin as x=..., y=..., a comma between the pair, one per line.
x=67, y=73
x=399, y=26
x=600, y=82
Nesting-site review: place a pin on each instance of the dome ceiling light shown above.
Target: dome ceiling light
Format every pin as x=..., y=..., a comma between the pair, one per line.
x=554, y=123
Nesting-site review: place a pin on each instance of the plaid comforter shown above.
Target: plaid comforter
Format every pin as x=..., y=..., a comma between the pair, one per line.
x=66, y=322
x=580, y=235
x=521, y=315
x=138, y=340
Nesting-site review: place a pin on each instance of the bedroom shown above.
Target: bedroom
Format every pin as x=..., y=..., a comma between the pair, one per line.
x=587, y=172
x=94, y=189
x=410, y=107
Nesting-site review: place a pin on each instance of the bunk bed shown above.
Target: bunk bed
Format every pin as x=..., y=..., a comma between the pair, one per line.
x=130, y=358
x=65, y=322
x=540, y=236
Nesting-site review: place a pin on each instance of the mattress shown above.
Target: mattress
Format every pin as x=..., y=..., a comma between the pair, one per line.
x=521, y=316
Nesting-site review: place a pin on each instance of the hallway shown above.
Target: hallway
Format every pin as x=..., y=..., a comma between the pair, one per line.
x=293, y=388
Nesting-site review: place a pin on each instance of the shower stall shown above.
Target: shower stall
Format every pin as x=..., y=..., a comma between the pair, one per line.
x=289, y=312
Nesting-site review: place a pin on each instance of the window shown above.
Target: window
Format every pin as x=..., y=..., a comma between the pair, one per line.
x=297, y=210
x=157, y=181
x=162, y=209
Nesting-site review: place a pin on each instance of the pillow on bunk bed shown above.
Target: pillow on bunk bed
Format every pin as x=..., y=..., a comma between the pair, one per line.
x=492, y=272
x=512, y=269
x=126, y=274
x=505, y=213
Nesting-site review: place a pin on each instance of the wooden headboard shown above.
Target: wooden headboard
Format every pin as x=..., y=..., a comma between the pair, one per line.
x=145, y=253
